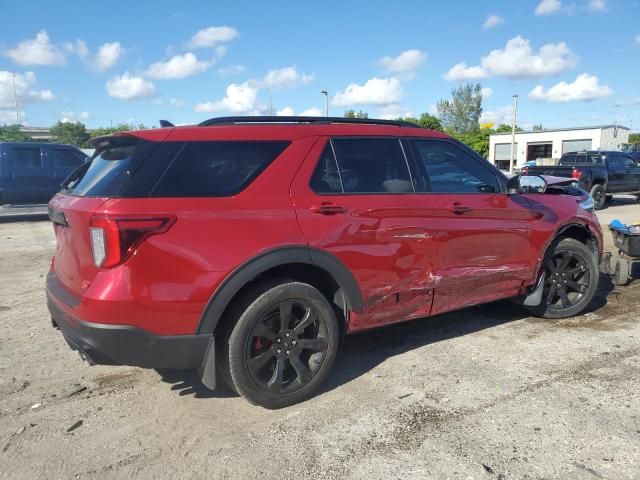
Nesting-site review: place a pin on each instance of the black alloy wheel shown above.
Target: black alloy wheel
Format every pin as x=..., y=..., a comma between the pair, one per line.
x=572, y=276
x=282, y=344
x=287, y=346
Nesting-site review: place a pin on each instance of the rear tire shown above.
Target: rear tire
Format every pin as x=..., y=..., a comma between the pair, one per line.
x=571, y=280
x=283, y=344
x=599, y=196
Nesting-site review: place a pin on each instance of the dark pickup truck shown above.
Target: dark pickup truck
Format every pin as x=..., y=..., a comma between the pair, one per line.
x=601, y=173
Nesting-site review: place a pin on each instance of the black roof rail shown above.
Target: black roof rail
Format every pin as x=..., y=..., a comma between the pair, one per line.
x=311, y=120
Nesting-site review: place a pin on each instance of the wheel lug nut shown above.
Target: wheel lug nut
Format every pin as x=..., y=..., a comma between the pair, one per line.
x=287, y=352
x=287, y=334
x=278, y=351
x=293, y=342
x=278, y=340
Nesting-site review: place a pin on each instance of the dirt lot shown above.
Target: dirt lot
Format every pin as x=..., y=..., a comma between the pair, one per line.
x=482, y=393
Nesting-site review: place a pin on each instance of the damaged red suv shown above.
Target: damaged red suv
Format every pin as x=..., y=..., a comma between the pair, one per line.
x=246, y=247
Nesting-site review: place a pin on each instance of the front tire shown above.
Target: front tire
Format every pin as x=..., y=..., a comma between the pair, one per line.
x=571, y=280
x=283, y=344
x=599, y=196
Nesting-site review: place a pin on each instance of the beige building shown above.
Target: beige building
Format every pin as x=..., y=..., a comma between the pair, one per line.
x=547, y=146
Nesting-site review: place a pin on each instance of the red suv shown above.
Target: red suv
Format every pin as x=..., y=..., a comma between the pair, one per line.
x=247, y=247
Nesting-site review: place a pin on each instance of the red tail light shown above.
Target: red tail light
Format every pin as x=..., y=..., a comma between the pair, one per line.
x=114, y=239
x=575, y=173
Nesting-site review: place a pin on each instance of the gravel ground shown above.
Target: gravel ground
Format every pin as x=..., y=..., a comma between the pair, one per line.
x=482, y=393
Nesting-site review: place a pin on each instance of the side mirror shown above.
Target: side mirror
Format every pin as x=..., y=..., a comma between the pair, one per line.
x=526, y=184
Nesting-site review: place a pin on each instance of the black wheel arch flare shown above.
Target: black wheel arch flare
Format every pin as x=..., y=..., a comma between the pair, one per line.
x=278, y=257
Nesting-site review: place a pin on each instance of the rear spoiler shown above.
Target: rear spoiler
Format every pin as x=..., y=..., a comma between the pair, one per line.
x=115, y=139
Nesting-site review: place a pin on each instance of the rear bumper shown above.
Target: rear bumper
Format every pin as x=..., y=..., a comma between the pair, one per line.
x=105, y=344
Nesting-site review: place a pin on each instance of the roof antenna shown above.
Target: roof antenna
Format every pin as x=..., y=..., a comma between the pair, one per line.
x=166, y=123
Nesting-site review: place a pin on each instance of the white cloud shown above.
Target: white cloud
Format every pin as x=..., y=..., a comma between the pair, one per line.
x=548, y=7
x=311, y=112
x=486, y=92
x=107, y=56
x=498, y=115
x=636, y=39
x=178, y=66
x=376, y=91
x=8, y=117
x=36, y=51
x=518, y=60
x=212, y=36
x=24, y=89
x=70, y=117
x=407, y=62
x=79, y=48
x=585, y=87
x=220, y=51
x=232, y=70
x=460, y=71
x=285, y=112
x=287, y=77
x=240, y=98
x=129, y=87
x=492, y=21
x=174, y=102
x=597, y=6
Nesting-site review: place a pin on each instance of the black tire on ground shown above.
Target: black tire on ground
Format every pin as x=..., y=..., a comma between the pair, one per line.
x=571, y=280
x=621, y=272
x=283, y=344
x=599, y=196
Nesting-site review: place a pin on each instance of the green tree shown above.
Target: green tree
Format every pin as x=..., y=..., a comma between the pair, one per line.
x=102, y=131
x=12, y=133
x=505, y=127
x=462, y=113
x=634, y=137
x=478, y=141
x=71, y=133
x=426, y=121
x=353, y=114
x=538, y=128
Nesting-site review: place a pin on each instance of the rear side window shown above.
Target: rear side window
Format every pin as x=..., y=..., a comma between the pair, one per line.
x=215, y=169
x=372, y=165
x=450, y=169
x=65, y=158
x=568, y=159
x=25, y=157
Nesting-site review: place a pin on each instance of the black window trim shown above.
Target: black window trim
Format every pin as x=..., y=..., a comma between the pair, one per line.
x=492, y=169
x=329, y=141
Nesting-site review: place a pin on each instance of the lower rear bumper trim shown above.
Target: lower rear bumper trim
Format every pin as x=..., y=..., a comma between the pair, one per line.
x=128, y=345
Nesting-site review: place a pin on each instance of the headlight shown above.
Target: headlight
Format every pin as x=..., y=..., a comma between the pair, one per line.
x=587, y=204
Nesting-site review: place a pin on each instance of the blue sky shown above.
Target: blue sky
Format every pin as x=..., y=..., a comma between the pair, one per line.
x=572, y=62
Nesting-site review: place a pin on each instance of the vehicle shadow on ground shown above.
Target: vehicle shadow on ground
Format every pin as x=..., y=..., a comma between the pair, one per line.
x=362, y=352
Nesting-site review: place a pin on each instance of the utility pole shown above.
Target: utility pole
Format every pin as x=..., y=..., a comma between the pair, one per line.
x=15, y=95
x=326, y=102
x=513, y=133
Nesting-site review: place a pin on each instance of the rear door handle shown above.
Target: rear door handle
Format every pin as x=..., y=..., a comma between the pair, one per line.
x=459, y=209
x=327, y=208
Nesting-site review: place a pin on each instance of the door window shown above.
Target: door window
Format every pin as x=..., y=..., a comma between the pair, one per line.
x=65, y=158
x=628, y=162
x=450, y=169
x=372, y=165
x=326, y=178
x=25, y=157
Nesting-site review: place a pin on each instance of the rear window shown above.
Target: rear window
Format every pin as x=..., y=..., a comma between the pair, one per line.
x=109, y=169
x=215, y=169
